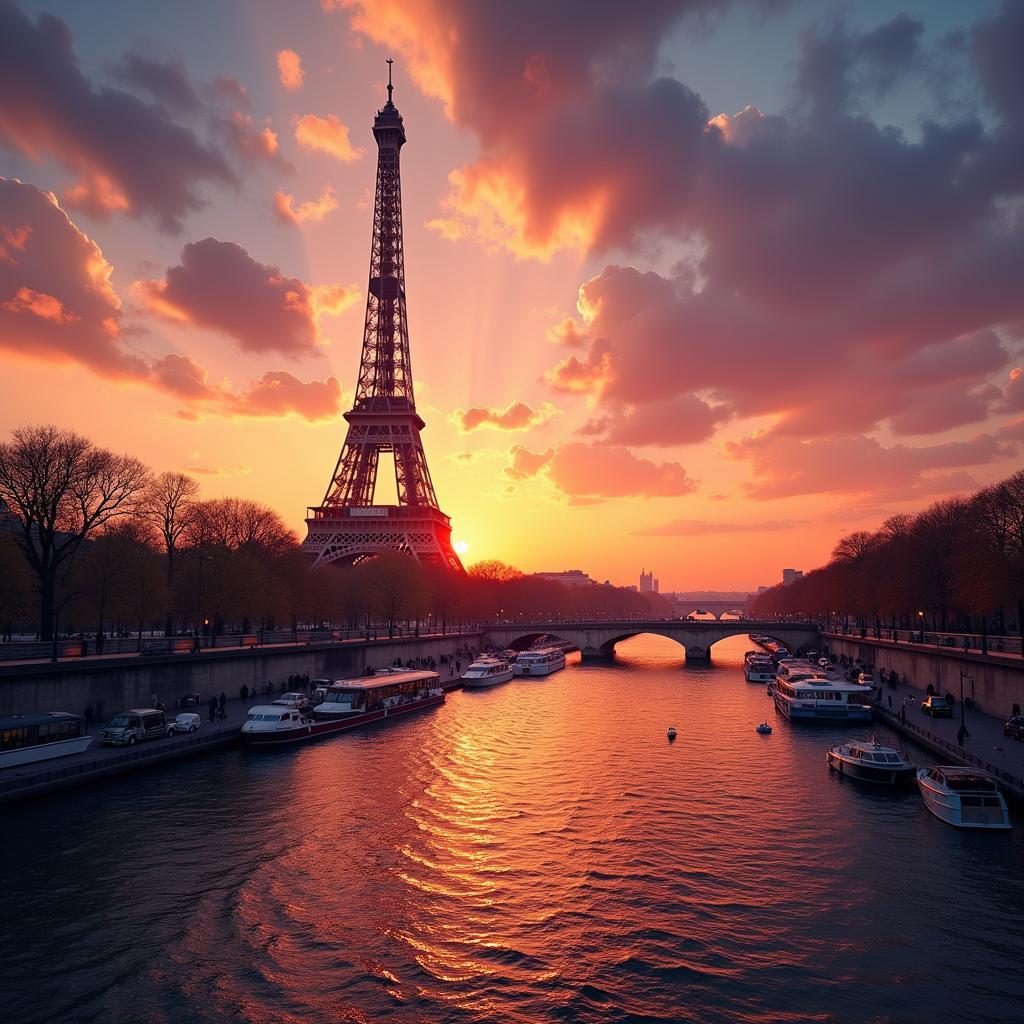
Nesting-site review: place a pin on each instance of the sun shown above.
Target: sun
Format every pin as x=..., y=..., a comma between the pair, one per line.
x=461, y=547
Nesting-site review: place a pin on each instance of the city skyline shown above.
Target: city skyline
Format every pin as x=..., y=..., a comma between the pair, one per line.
x=799, y=317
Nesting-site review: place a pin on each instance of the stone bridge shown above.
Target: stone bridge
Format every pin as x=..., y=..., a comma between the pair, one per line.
x=598, y=639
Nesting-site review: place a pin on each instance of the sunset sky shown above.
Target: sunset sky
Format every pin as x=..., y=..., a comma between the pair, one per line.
x=693, y=286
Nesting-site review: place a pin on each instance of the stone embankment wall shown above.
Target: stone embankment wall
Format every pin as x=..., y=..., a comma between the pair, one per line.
x=112, y=684
x=994, y=683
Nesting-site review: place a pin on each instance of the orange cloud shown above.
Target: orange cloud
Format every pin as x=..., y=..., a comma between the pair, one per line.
x=289, y=67
x=334, y=299
x=220, y=287
x=326, y=135
x=517, y=416
x=589, y=473
x=39, y=304
x=314, y=210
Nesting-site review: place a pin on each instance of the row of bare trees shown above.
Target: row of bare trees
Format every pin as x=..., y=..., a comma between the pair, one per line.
x=92, y=541
x=958, y=564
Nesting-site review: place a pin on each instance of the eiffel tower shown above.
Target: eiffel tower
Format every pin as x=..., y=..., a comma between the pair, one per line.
x=348, y=527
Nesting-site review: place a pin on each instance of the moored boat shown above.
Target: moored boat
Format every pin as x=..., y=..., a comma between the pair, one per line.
x=41, y=735
x=486, y=671
x=757, y=667
x=871, y=762
x=964, y=797
x=802, y=693
x=540, y=662
x=349, y=704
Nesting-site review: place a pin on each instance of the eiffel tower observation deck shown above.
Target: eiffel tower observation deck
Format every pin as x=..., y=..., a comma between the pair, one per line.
x=348, y=527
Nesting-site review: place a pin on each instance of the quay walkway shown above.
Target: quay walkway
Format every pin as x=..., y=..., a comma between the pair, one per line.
x=99, y=762
x=986, y=747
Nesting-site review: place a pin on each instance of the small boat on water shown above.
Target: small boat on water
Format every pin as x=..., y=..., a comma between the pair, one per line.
x=349, y=704
x=671, y=732
x=871, y=762
x=964, y=797
x=486, y=671
x=540, y=662
x=764, y=729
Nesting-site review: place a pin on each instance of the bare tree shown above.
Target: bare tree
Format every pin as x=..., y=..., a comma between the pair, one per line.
x=59, y=488
x=168, y=504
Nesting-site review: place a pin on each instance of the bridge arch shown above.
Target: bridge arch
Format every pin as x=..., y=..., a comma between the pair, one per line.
x=607, y=649
x=788, y=644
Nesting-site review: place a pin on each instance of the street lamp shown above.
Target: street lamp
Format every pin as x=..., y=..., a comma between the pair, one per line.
x=920, y=622
x=963, y=733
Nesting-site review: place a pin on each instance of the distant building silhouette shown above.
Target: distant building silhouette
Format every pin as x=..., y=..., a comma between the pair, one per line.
x=791, y=576
x=568, y=578
x=648, y=583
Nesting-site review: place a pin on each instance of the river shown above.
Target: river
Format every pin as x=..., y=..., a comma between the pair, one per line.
x=536, y=852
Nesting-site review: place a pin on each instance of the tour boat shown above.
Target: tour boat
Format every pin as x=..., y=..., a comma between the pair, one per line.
x=40, y=736
x=539, y=663
x=964, y=797
x=757, y=667
x=871, y=762
x=349, y=704
x=801, y=693
x=486, y=671
x=764, y=729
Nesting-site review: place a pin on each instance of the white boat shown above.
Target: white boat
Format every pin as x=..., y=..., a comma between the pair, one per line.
x=871, y=762
x=802, y=693
x=540, y=662
x=757, y=667
x=349, y=703
x=486, y=671
x=964, y=797
x=40, y=736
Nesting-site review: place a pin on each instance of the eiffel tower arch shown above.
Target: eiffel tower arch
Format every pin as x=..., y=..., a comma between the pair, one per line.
x=347, y=526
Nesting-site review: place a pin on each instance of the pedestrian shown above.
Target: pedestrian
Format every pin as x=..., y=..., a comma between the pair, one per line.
x=890, y=702
x=283, y=688
x=962, y=734
x=213, y=708
x=223, y=700
x=244, y=692
x=903, y=713
x=305, y=680
x=89, y=717
x=99, y=642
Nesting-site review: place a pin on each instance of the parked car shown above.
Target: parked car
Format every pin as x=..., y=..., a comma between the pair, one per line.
x=129, y=727
x=188, y=721
x=937, y=707
x=190, y=700
x=1014, y=727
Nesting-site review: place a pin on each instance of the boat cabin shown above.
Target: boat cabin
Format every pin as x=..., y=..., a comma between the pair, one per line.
x=375, y=693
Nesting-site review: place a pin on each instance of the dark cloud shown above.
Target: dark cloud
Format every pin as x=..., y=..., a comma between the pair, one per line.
x=166, y=81
x=220, y=287
x=129, y=155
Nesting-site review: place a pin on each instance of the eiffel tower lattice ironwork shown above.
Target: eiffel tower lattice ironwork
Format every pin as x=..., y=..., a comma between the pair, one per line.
x=348, y=526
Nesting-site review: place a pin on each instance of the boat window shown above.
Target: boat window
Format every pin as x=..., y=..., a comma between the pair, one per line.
x=284, y=718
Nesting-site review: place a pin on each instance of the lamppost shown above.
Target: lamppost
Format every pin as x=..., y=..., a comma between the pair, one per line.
x=962, y=733
x=920, y=622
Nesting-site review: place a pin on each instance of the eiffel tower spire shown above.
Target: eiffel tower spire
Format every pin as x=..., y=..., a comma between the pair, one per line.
x=348, y=525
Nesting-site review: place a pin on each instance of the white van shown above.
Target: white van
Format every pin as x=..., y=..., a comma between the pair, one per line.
x=131, y=727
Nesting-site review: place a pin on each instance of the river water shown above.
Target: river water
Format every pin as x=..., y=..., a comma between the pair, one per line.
x=537, y=852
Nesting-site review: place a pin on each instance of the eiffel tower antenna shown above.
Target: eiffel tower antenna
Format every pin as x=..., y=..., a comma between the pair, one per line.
x=348, y=526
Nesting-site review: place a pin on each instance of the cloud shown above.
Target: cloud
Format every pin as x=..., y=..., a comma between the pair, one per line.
x=249, y=142
x=334, y=299
x=1013, y=393
x=220, y=287
x=130, y=156
x=289, y=67
x=589, y=473
x=326, y=135
x=56, y=299
x=313, y=210
x=166, y=81
x=517, y=416
x=57, y=305
x=279, y=394
x=683, y=419
x=700, y=527
x=219, y=470
x=784, y=467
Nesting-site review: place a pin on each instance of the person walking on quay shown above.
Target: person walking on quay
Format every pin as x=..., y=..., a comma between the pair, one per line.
x=903, y=713
x=244, y=692
x=305, y=681
x=223, y=700
x=962, y=734
x=213, y=708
